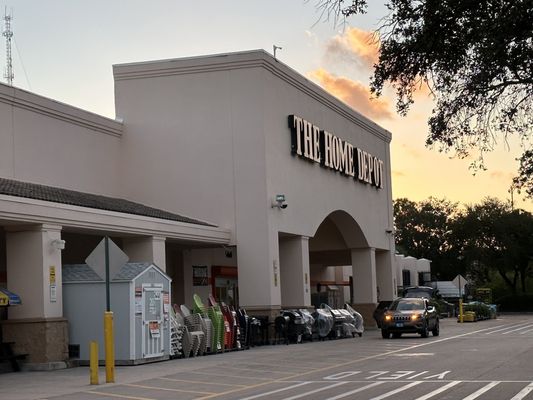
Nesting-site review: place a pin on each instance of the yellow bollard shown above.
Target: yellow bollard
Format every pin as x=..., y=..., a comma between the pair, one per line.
x=461, y=311
x=93, y=362
x=109, y=347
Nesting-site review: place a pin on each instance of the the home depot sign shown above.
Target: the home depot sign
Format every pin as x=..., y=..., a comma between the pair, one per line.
x=314, y=144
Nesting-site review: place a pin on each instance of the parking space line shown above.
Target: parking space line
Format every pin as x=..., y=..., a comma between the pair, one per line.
x=230, y=376
x=259, y=370
x=517, y=329
x=524, y=392
x=315, y=391
x=504, y=328
x=479, y=392
x=439, y=390
x=120, y=396
x=524, y=332
x=346, y=394
x=393, y=392
x=275, y=391
x=166, y=389
x=199, y=382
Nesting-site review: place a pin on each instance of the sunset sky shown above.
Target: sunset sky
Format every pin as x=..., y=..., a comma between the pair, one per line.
x=64, y=49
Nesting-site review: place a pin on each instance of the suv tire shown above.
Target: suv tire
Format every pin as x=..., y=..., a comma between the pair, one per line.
x=385, y=334
x=436, y=329
x=425, y=330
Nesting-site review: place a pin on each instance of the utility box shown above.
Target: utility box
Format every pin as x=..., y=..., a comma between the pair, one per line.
x=140, y=301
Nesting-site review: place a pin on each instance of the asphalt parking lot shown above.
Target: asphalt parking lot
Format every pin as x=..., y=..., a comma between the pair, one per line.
x=486, y=360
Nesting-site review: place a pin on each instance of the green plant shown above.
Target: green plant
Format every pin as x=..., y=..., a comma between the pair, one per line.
x=521, y=302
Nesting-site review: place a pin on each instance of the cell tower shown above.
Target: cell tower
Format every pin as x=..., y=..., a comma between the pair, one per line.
x=8, y=33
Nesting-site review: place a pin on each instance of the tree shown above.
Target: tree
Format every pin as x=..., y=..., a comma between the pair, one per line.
x=495, y=238
x=477, y=59
x=423, y=230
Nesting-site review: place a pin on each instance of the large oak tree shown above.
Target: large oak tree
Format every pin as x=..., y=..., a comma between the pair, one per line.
x=477, y=59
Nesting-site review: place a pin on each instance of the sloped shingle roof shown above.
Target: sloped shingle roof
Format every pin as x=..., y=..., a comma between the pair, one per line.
x=65, y=196
x=84, y=273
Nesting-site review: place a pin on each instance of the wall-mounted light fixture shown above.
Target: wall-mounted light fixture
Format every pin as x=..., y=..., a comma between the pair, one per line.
x=279, y=202
x=228, y=251
x=58, y=244
x=389, y=231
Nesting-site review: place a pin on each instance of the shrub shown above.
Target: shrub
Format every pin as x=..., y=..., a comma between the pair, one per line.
x=519, y=302
x=482, y=310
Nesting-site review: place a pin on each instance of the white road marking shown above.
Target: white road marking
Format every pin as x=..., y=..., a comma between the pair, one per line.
x=346, y=394
x=420, y=373
x=504, y=328
x=315, y=391
x=529, y=330
x=414, y=354
x=275, y=391
x=439, y=390
x=393, y=392
x=517, y=329
x=524, y=392
x=479, y=392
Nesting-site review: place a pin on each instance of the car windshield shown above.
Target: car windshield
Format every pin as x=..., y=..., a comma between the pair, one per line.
x=418, y=293
x=405, y=305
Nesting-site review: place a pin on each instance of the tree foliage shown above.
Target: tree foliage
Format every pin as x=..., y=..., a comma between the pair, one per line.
x=494, y=237
x=477, y=59
x=478, y=241
x=423, y=230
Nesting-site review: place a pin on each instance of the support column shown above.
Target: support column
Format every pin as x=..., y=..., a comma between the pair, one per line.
x=33, y=255
x=146, y=249
x=386, y=275
x=259, y=271
x=294, y=272
x=364, y=282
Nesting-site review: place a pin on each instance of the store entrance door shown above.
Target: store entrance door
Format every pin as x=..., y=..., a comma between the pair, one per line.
x=225, y=285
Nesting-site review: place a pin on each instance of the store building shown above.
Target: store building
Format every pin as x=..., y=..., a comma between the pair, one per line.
x=232, y=173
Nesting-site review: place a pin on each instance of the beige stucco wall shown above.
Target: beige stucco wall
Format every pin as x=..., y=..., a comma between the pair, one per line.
x=47, y=142
x=209, y=137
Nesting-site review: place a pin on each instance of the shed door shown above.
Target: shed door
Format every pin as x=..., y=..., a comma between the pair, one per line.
x=152, y=332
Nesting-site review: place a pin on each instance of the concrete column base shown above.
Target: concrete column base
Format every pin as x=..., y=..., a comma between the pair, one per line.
x=45, y=340
x=366, y=310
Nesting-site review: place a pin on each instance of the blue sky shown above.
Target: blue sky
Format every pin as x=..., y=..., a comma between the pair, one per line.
x=64, y=49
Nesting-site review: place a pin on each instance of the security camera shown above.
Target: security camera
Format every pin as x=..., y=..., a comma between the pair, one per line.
x=279, y=202
x=58, y=244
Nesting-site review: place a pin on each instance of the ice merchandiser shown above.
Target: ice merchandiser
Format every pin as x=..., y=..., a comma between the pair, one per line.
x=140, y=301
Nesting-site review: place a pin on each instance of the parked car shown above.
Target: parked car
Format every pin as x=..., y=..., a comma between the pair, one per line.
x=420, y=291
x=410, y=315
x=378, y=312
x=444, y=308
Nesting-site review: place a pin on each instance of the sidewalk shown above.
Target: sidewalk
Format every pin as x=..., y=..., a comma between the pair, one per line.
x=30, y=385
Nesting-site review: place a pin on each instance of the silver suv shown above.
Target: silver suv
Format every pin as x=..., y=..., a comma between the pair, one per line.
x=409, y=315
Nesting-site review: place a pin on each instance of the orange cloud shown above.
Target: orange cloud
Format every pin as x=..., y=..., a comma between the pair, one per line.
x=353, y=93
x=502, y=176
x=355, y=45
x=412, y=152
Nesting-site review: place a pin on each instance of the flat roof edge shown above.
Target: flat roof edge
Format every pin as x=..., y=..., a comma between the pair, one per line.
x=246, y=59
x=21, y=98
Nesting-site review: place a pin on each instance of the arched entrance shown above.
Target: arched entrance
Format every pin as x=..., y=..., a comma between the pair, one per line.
x=337, y=265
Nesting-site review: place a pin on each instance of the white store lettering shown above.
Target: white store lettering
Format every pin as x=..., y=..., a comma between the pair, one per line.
x=310, y=142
